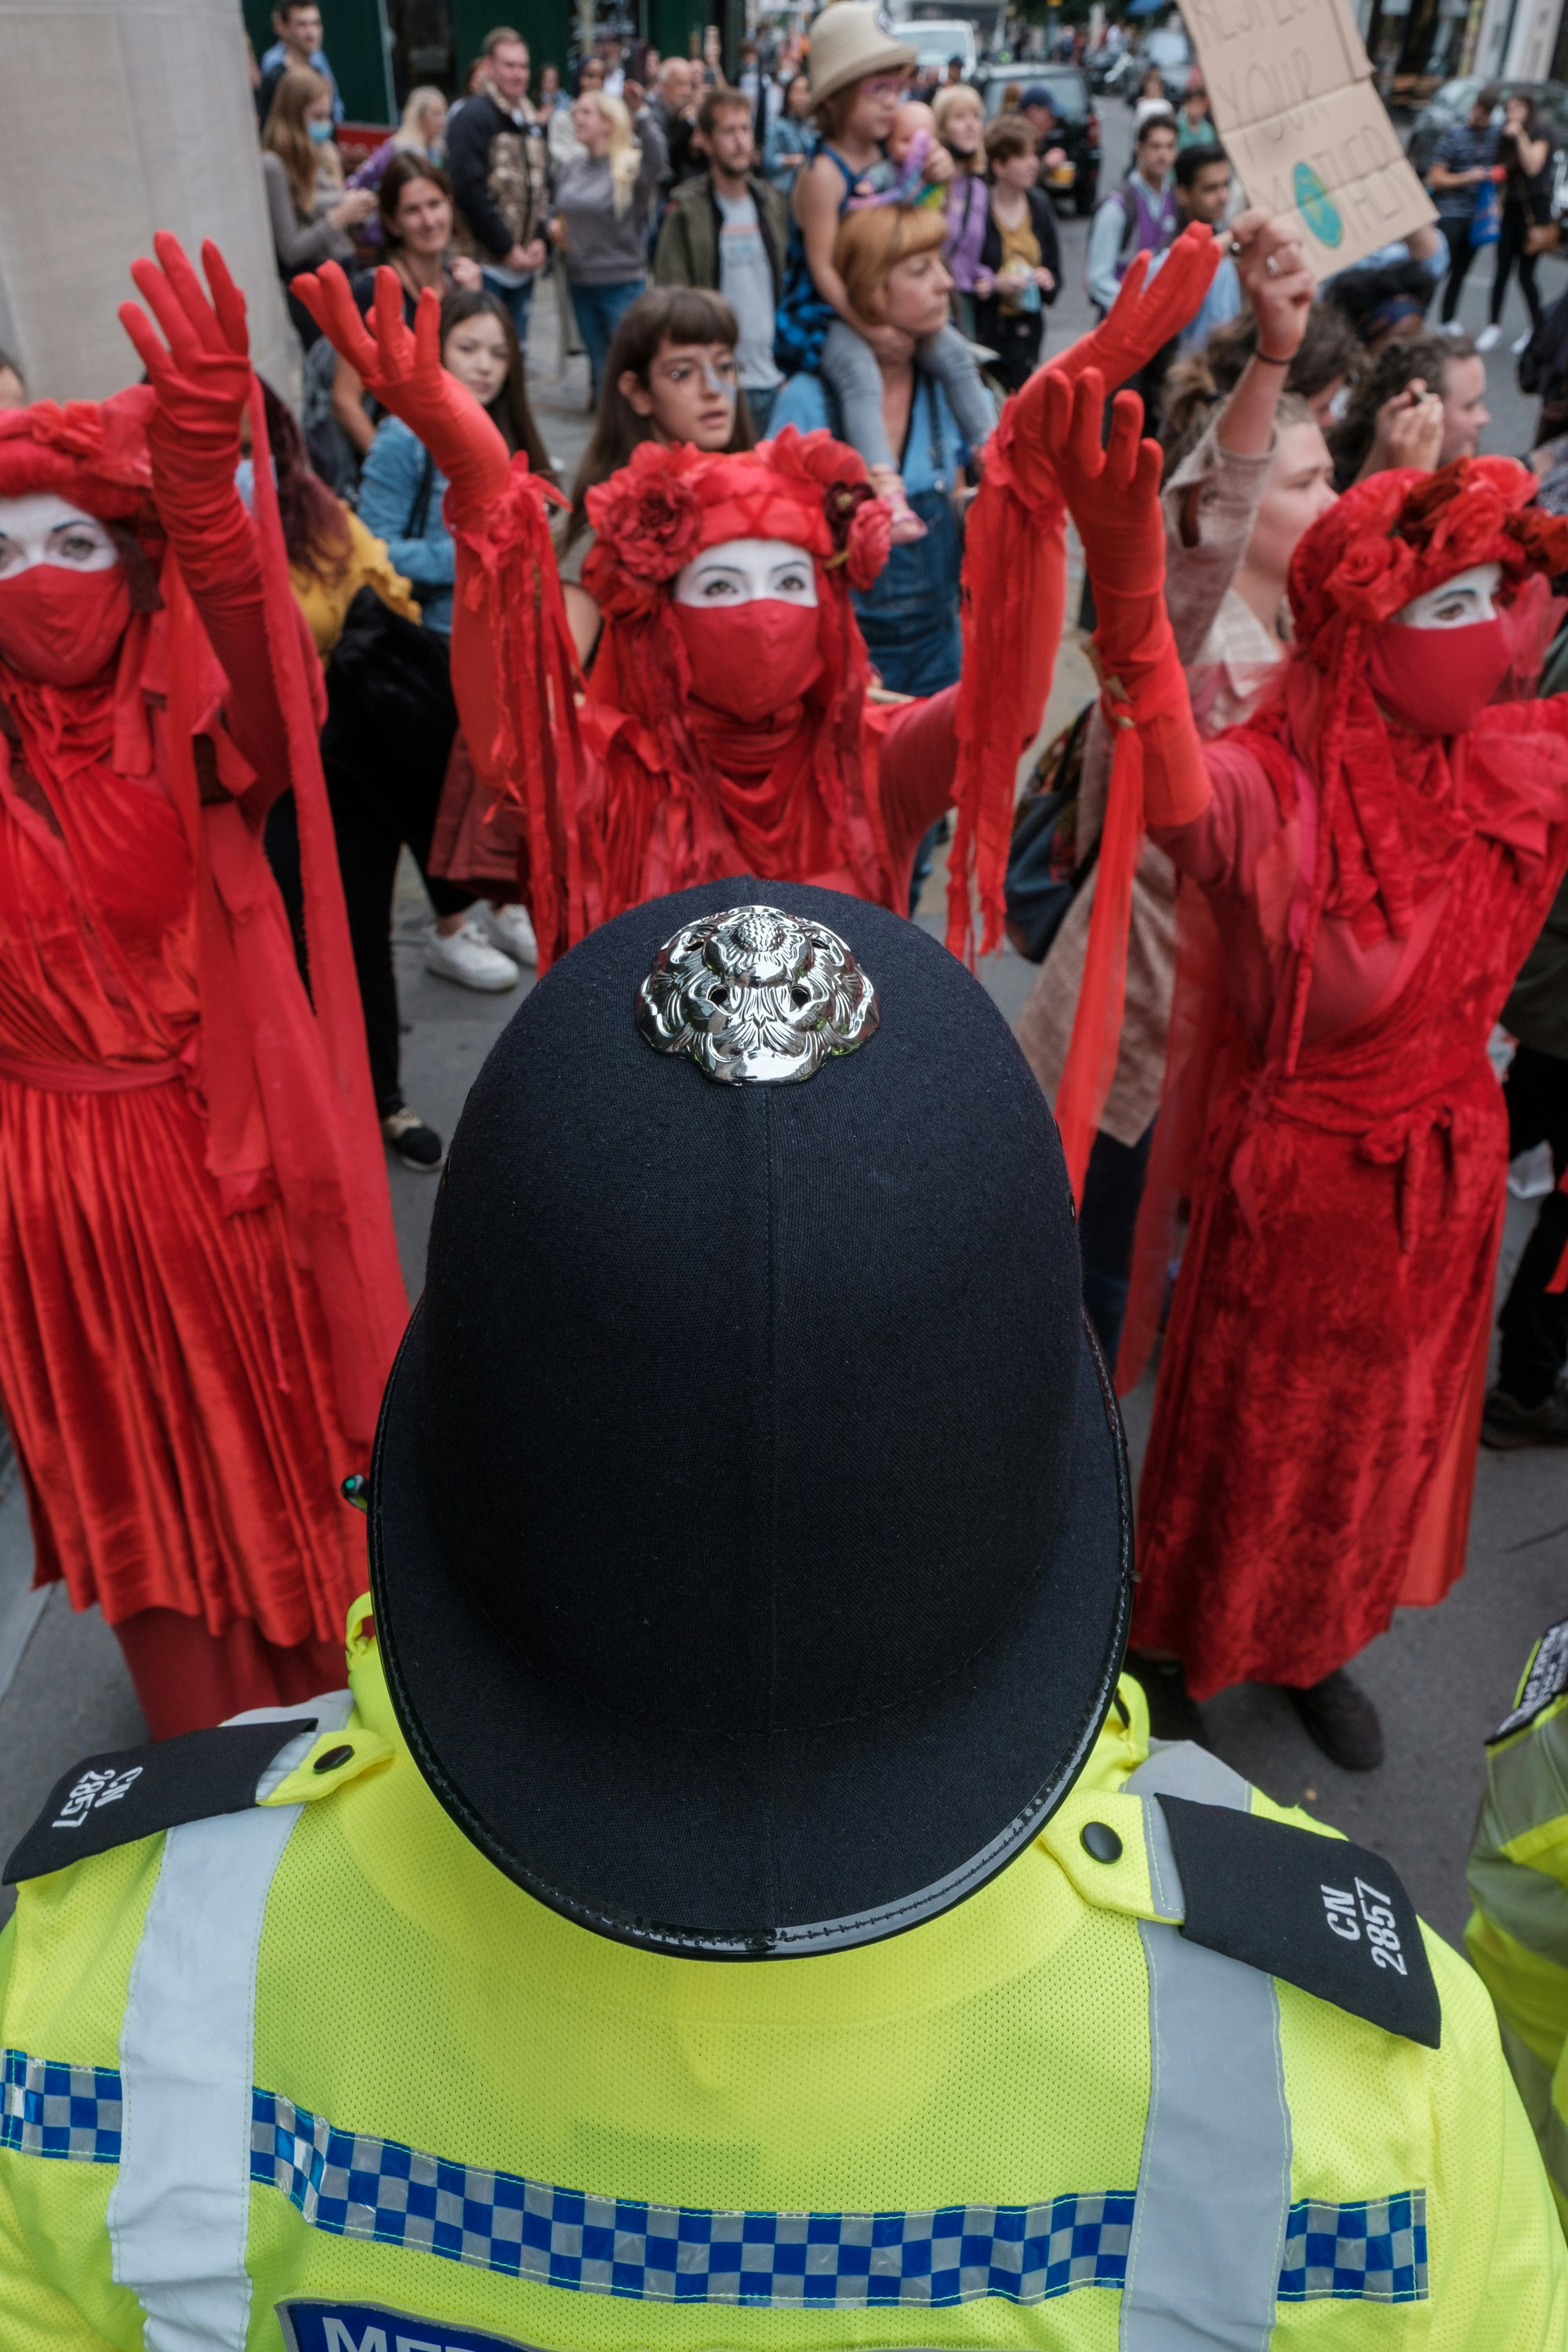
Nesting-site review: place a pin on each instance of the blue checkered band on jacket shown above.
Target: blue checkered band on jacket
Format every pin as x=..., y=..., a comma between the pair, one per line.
x=353, y=2186
x=51, y=2110
x=1374, y=2252
x=357, y=2187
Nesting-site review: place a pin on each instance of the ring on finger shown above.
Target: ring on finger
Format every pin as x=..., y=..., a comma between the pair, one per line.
x=1271, y=262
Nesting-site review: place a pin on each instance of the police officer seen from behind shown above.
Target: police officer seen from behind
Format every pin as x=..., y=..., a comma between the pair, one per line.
x=735, y=1907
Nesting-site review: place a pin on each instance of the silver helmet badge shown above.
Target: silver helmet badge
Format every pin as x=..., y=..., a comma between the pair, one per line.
x=756, y=997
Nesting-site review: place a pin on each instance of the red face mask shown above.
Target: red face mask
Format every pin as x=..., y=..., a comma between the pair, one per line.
x=1437, y=681
x=61, y=626
x=751, y=660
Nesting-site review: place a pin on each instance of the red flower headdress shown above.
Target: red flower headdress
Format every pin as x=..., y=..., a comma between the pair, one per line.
x=658, y=813
x=668, y=503
x=1401, y=534
x=91, y=453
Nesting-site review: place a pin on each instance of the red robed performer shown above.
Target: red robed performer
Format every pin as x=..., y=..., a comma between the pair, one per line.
x=731, y=732
x=199, y=1289
x=1377, y=849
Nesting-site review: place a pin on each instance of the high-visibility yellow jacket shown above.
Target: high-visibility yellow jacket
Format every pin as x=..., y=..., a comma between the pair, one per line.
x=1518, y=1869
x=315, y=2074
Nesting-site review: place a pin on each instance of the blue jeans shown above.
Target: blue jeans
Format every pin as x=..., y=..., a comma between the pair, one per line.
x=599, y=310
x=517, y=300
x=910, y=617
x=760, y=404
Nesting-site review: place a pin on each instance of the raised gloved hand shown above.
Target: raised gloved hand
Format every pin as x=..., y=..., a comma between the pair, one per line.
x=1143, y=318
x=405, y=373
x=1113, y=495
x=202, y=377
x=1140, y=323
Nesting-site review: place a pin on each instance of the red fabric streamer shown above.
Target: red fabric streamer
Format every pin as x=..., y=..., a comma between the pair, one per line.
x=534, y=755
x=1013, y=606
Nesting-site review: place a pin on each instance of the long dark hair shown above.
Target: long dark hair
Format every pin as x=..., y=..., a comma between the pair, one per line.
x=400, y=174
x=315, y=523
x=509, y=407
x=665, y=314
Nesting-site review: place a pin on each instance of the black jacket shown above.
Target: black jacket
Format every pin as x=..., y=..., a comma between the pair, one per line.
x=498, y=171
x=1043, y=221
x=1016, y=335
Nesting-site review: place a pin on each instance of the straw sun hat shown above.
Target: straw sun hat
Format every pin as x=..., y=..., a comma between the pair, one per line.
x=848, y=42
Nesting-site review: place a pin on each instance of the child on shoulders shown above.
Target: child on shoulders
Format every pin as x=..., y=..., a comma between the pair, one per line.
x=875, y=148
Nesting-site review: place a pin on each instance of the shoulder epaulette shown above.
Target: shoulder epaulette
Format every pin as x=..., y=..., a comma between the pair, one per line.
x=1545, y=1679
x=1322, y=1914
x=109, y=1801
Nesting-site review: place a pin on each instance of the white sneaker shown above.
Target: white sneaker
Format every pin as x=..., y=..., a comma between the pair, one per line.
x=467, y=957
x=1489, y=339
x=1523, y=343
x=509, y=929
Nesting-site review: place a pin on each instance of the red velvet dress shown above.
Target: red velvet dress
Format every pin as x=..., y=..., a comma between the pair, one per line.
x=164, y=1363
x=1337, y=1283
x=199, y=1290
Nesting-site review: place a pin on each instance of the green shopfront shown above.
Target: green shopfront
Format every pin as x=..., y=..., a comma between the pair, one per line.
x=380, y=48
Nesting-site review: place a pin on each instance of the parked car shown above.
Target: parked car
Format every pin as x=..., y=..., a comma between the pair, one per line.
x=1077, y=122
x=934, y=40
x=1450, y=105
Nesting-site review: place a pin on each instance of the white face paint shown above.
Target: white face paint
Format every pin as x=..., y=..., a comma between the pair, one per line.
x=1458, y=604
x=43, y=529
x=745, y=570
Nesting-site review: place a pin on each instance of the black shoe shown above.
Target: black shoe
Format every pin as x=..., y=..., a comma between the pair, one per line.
x=1506, y=1424
x=417, y=1145
x=1173, y=1712
x=1341, y=1719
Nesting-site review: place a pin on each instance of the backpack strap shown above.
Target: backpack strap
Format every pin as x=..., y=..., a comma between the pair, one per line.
x=419, y=513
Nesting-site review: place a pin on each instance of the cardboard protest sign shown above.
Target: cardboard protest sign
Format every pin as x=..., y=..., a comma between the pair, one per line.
x=1291, y=85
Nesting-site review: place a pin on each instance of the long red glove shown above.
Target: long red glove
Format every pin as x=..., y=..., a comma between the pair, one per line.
x=203, y=379
x=1113, y=495
x=1014, y=579
x=1157, y=769
x=405, y=373
x=238, y=574
x=1139, y=322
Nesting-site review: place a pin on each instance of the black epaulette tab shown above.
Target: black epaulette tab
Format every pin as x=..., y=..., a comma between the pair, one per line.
x=1323, y=1914
x=1545, y=1679
x=108, y=1801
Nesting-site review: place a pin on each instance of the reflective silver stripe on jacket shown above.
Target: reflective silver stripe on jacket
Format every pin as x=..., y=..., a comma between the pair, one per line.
x=179, y=2213
x=1213, y=2186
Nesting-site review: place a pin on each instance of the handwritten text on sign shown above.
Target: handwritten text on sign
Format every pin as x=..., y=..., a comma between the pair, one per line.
x=1291, y=85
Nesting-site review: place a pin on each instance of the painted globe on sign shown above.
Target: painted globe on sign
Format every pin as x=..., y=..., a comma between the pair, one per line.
x=1316, y=207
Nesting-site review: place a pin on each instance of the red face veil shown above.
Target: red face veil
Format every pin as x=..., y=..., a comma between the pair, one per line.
x=62, y=626
x=751, y=660
x=1437, y=681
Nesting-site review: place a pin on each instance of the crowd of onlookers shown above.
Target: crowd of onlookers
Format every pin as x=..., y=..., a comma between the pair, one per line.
x=829, y=242
x=814, y=243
